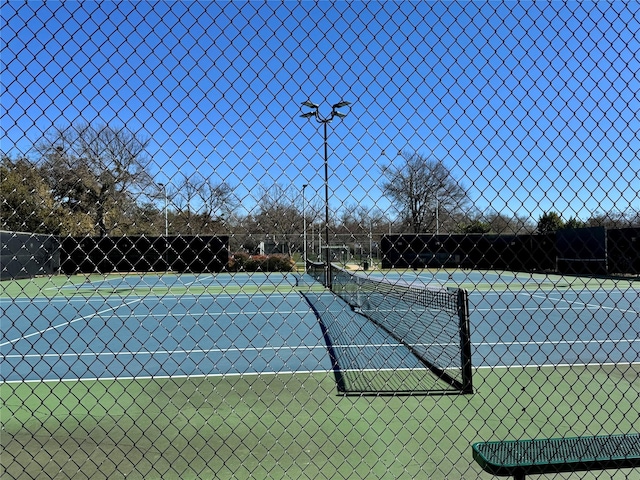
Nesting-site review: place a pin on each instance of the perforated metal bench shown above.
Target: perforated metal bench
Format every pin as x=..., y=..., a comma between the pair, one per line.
x=553, y=455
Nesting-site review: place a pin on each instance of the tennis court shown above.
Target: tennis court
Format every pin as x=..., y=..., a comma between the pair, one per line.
x=161, y=326
x=185, y=325
x=210, y=349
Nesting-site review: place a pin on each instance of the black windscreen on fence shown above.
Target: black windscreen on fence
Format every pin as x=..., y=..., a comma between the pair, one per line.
x=24, y=255
x=623, y=250
x=144, y=254
x=477, y=251
x=582, y=251
x=575, y=251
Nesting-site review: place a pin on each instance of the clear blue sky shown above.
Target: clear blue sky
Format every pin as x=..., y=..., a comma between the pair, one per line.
x=533, y=106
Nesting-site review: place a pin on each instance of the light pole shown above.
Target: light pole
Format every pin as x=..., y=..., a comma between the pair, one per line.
x=165, y=253
x=314, y=113
x=304, y=227
x=437, y=215
x=371, y=243
x=166, y=215
x=436, y=194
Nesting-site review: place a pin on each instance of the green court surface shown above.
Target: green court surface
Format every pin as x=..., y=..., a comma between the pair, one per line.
x=296, y=426
x=137, y=283
x=476, y=280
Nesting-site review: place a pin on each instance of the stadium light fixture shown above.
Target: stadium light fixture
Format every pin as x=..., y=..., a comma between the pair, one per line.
x=324, y=121
x=341, y=104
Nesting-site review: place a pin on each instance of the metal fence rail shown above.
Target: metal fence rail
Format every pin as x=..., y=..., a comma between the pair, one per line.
x=170, y=170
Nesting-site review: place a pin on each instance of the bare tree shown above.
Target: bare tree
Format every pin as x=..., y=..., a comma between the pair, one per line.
x=507, y=222
x=614, y=219
x=424, y=191
x=279, y=216
x=98, y=170
x=201, y=205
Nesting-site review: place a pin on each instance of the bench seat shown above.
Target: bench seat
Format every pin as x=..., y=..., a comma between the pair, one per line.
x=552, y=455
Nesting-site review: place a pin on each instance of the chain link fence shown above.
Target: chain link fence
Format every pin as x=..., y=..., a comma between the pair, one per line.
x=167, y=179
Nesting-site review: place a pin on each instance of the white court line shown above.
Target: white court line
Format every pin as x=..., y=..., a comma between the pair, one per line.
x=166, y=352
x=173, y=315
x=571, y=305
x=558, y=342
x=311, y=347
x=98, y=297
x=199, y=280
x=298, y=372
x=64, y=324
x=293, y=349
x=522, y=309
x=67, y=300
x=593, y=308
x=587, y=305
x=196, y=351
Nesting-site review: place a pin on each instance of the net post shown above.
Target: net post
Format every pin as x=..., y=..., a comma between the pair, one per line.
x=327, y=267
x=465, y=341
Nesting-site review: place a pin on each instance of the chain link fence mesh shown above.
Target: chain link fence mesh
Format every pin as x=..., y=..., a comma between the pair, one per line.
x=170, y=169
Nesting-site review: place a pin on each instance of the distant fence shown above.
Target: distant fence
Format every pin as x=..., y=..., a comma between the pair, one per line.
x=580, y=251
x=623, y=250
x=479, y=251
x=25, y=255
x=144, y=254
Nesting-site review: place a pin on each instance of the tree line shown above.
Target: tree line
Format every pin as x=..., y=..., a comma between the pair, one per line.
x=86, y=180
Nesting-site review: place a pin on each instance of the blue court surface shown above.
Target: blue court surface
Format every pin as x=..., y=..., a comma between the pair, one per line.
x=173, y=325
x=154, y=336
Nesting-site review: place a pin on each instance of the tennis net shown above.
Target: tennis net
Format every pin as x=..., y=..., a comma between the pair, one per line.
x=432, y=322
